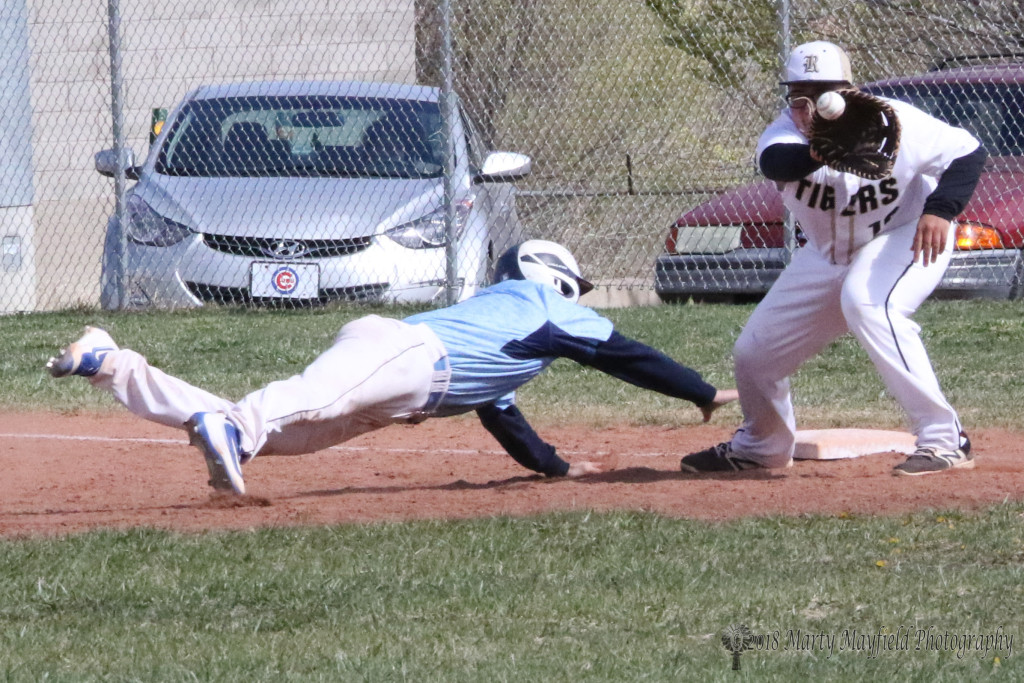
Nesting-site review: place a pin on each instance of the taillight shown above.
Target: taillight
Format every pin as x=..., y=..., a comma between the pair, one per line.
x=970, y=236
x=670, y=241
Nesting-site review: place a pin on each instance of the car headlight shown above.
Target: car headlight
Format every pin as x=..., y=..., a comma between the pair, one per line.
x=428, y=232
x=146, y=226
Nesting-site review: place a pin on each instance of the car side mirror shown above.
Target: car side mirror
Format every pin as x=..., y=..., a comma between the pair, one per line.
x=107, y=163
x=503, y=167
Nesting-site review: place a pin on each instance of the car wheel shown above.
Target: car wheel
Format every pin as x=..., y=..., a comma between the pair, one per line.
x=673, y=298
x=492, y=260
x=1017, y=285
x=727, y=298
x=715, y=298
x=111, y=274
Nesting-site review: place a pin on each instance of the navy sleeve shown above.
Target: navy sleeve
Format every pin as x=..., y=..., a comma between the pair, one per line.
x=517, y=437
x=646, y=367
x=622, y=358
x=787, y=162
x=956, y=186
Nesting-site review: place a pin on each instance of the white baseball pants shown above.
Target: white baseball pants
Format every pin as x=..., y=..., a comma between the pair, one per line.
x=813, y=303
x=378, y=371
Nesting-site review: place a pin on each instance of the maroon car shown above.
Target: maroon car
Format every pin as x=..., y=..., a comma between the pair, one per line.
x=734, y=246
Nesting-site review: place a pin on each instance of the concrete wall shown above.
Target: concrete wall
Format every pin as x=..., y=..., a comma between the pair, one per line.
x=17, y=265
x=169, y=47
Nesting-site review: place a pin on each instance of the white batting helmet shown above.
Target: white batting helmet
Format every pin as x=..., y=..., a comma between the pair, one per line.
x=548, y=263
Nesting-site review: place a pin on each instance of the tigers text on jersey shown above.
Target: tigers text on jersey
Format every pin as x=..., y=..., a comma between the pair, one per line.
x=839, y=212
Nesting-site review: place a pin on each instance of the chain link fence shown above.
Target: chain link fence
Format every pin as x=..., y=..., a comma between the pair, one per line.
x=277, y=179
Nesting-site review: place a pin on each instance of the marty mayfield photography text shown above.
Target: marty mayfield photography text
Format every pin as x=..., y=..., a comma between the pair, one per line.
x=904, y=639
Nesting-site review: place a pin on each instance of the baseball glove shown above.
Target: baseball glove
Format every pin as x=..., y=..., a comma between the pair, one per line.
x=863, y=140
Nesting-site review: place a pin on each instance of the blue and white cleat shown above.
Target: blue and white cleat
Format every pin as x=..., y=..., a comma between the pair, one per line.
x=217, y=437
x=83, y=357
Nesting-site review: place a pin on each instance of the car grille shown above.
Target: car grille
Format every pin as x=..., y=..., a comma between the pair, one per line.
x=285, y=249
x=372, y=293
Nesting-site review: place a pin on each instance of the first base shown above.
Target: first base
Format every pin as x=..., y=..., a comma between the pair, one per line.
x=836, y=444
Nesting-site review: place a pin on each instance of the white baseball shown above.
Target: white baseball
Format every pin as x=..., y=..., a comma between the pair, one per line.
x=830, y=105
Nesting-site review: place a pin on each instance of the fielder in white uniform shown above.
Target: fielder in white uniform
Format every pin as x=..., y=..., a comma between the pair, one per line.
x=875, y=250
x=379, y=371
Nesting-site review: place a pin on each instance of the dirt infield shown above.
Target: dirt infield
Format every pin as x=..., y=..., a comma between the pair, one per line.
x=64, y=474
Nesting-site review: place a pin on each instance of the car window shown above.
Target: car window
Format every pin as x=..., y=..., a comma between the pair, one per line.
x=304, y=137
x=475, y=144
x=992, y=112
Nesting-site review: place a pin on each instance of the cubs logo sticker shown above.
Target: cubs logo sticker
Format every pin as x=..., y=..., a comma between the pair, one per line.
x=280, y=280
x=284, y=280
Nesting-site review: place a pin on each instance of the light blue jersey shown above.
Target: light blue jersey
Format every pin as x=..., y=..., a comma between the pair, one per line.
x=506, y=335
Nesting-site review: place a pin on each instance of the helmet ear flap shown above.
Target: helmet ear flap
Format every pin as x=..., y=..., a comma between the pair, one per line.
x=507, y=266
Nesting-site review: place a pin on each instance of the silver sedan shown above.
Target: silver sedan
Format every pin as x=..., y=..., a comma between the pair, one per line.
x=296, y=193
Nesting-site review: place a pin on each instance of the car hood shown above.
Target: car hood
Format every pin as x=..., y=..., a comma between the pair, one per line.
x=301, y=208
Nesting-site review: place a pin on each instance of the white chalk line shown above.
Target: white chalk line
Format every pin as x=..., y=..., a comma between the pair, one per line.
x=352, y=449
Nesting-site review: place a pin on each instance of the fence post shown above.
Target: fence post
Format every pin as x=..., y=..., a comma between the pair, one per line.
x=789, y=224
x=448, y=114
x=117, y=115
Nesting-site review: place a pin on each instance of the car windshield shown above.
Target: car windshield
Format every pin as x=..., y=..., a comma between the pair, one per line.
x=993, y=112
x=304, y=137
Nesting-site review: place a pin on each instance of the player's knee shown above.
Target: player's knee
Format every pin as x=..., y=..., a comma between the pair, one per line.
x=865, y=315
x=746, y=351
x=858, y=308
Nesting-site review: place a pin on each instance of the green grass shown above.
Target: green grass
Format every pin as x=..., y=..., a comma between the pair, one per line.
x=568, y=597
x=975, y=346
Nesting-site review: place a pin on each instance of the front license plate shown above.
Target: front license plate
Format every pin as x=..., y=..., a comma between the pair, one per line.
x=285, y=280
